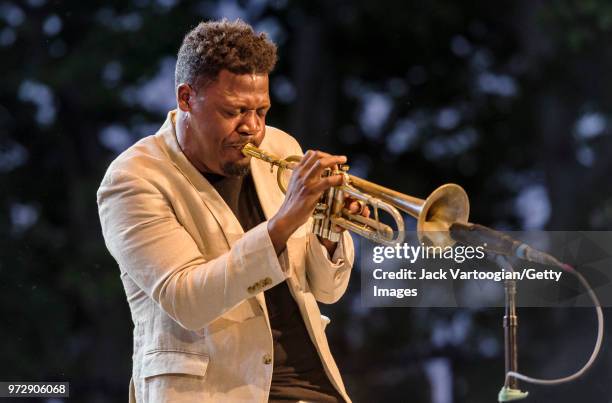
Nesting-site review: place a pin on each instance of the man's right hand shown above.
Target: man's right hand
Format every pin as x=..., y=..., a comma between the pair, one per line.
x=303, y=192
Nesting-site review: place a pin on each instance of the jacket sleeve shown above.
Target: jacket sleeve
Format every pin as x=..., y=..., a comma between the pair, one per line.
x=328, y=277
x=143, y=235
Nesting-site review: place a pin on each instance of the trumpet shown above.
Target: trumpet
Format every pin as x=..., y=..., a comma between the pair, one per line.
x=447, y=204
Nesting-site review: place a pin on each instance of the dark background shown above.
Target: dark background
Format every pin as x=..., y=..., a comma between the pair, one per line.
x=510, y=99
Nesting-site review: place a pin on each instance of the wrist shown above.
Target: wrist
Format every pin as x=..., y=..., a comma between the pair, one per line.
x=279, y=231
x=329, y=245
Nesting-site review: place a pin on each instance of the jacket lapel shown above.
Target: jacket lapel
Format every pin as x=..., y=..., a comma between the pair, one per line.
x=214, y=202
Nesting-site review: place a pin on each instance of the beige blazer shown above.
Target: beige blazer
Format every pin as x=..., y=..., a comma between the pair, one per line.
x=194, y=280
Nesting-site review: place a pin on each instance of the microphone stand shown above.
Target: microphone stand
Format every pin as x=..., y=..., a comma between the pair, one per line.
x=499, y=246
x=510, y=391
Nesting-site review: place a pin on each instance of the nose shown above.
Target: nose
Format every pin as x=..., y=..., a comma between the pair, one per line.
x=250, y=124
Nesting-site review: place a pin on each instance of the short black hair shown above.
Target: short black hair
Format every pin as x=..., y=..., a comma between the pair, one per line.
x=213, y=46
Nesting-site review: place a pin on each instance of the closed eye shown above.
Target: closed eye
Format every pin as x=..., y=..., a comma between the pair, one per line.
x=235, y=112
x=232, y=113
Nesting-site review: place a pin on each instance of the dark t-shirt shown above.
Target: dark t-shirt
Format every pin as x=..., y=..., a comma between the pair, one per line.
x=298, y=373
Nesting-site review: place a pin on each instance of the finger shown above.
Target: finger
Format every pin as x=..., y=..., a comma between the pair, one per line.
x=326, y=162
x=354, y=207
x=330, y=161
x=308, y=159
x=366, y=211
x=323, y=154
x=305, y=165
x=338, y=228
x=328, y=181
x=348, y=200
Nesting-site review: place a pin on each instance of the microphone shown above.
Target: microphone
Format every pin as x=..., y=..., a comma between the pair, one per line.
x=502, y=244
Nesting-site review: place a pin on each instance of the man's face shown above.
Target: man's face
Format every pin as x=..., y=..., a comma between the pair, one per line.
x=221, y=118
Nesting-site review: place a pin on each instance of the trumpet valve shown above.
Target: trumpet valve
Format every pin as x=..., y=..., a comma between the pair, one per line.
x=319, y=211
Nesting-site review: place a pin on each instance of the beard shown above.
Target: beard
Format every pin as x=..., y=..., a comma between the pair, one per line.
x=236, y=169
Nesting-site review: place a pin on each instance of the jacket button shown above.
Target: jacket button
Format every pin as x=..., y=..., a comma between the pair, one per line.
x=267, y=359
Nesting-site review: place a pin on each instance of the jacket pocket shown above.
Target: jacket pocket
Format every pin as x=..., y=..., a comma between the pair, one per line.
x=160, y=362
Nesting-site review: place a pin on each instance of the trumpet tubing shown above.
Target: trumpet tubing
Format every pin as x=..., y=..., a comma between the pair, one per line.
x=447, y=204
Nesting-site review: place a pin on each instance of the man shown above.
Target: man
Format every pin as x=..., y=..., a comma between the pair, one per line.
x=220, y=271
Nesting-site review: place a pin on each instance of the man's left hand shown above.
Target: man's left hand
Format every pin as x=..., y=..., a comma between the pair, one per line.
x=354, y=207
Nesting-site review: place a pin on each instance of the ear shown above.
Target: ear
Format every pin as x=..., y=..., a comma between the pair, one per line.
x=184, y=97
